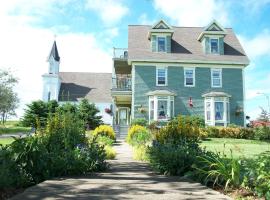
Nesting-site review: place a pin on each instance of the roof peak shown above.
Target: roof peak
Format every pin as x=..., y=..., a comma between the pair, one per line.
x=54, y=52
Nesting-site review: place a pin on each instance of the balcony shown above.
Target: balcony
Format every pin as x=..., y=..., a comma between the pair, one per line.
x=122, y=83
x=120, y=53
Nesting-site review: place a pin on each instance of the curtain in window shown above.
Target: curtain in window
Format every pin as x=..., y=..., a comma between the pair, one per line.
x=219, y=110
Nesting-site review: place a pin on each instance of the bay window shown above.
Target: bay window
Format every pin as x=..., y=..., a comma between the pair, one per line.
x=217, y=111
x=161, y=107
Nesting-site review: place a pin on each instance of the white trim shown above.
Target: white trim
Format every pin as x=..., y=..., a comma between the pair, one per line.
x=166, y=76
x=212, y=80
x=155, y=98
x=188, y=62
x=161, y=21
x=193, y=74
x=133, y=90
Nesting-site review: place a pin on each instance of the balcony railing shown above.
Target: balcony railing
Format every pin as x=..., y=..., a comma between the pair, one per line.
x=120, y=53
x=121, y=83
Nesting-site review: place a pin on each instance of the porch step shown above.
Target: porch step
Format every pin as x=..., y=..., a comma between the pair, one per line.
x=121, y=131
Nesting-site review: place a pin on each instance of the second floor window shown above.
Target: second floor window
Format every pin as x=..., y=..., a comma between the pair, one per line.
x=161, y=76
x=214, y=46
x=161, y=44
x=216, y=76
x=189, y=77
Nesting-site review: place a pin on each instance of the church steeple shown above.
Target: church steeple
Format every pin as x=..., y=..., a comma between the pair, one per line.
x=54, y=60
x=54, y=52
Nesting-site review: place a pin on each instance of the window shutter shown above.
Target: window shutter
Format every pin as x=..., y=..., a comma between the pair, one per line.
x=221, y=46
x=154, y=43
x=168, y=38
x=207, y=45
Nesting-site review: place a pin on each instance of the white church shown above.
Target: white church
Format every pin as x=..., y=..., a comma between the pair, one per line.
x=75, y=86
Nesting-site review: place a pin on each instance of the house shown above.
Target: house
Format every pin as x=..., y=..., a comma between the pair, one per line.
x=74, y=86
x=169, y=70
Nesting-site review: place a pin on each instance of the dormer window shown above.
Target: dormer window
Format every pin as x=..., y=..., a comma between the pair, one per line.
x=214, y=46
x=161, y=47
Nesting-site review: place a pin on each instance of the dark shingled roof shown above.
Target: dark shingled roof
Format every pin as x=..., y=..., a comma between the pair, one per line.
x=185, y=46
x=54, y=52
x=96, y=87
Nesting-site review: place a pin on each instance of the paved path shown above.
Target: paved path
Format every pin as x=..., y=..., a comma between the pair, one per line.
x=127, y=179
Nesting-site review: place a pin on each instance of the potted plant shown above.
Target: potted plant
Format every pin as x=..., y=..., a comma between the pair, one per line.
x=108, y=110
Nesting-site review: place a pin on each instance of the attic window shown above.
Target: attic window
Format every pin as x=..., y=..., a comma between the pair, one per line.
x=214, y=46
x=161, y=44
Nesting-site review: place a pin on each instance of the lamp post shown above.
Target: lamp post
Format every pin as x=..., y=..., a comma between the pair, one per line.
x=268, y=100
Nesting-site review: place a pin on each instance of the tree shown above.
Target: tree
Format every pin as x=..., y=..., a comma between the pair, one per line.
x=8, y=98
x=88, y=113
x=264, y=116
x=38, y=112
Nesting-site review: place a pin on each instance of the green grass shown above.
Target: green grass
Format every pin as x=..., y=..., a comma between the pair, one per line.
x=239, y=147
x=13, y=127
x=5, y=141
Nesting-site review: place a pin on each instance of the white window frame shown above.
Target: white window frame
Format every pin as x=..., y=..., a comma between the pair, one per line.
x=165, y=44
x=211, y=45
x=212, y=79
x=169, y=99
x=166, y=76
x=193, y=77
x=226, y=110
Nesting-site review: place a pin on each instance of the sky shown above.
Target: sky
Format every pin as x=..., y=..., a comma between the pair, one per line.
x=87, y=30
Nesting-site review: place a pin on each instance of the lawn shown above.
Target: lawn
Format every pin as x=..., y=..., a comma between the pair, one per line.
x=239, y=147
x=13, y=127
x=5, y=141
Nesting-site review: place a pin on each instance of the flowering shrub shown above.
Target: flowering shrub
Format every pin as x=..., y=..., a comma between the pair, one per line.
x=105, y=130
x=138, y=135
x=108, y=110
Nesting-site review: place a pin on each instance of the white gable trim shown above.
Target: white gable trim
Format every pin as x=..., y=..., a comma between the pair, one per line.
x=157, y=24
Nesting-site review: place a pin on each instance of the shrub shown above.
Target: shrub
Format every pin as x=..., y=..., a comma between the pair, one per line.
x=212, y=169
x=105, y=130
x=262, y=133
x=60, y=149
x=173, y=159
x=176, y=147
x=257, y=175
x=139, y=153
x=229, y=132
x=138, y=135
x=139, y=121
x=110, y=152
x=197, y=121
x=104, y=140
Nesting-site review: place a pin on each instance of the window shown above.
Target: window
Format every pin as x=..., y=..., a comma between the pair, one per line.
x=189, y=75
x=217, y=111
x=214, y=46
x=161, y=76
x=161, y=44
x=161, y=107
x=216, y=76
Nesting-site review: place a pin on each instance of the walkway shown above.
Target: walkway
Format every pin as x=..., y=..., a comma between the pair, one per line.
x=127, y=179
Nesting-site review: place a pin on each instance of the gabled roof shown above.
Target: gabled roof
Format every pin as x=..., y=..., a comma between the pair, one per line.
x=184, y=47
x=214, y=28
x=54, y=53
x=161, y=27
x=96, y=87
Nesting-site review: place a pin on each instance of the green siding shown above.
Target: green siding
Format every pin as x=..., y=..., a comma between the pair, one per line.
x=153, y=43
x=207, y=45
x=221, y=46
x=168, y=42
x=145, y=81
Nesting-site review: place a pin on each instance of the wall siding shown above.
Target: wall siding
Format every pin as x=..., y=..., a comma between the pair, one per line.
x=145, y=81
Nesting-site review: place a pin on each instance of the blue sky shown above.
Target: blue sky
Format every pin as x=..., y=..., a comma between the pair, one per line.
x=86, y=31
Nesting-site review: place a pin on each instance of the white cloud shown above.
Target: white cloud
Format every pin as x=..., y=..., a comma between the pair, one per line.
x=144, y=20
x=193, y=12
x=110, y=11
x=257, y=46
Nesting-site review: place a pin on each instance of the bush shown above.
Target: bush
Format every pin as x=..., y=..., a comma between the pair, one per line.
x=139, y=153
x=105, y=130
x=197, y=121
x=176, y=147
x=104, y=140
x=262, y=133
x=229, y=132
x=110, y=152
x=138, y=135
x=139, y=121
x=60, y=149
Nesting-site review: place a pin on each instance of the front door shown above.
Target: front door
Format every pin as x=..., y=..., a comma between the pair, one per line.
x=123, y=116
